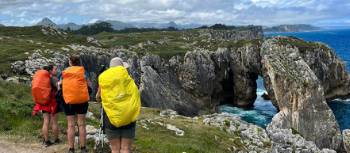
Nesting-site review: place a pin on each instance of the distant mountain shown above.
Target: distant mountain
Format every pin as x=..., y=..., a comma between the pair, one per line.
x=46, y=22
x=336, y=27
x=71, y=26
x=164, y=25
x=118, y=25
x=291, y=28
x=1, y=25
x=190, y=26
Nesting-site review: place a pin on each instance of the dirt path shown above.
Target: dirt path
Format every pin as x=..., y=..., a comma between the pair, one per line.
x=15, y=147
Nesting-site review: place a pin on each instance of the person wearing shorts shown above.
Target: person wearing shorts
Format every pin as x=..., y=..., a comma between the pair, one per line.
x=49, y=111
x=75, y=110
x=120, y=138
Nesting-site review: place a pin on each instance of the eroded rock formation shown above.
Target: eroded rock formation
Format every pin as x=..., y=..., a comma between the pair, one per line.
x=299, y=77
x=299, y=95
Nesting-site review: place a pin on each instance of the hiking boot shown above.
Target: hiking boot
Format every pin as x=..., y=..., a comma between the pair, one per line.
x=71, y=150
x=83, y=150
x=57, y=141
x=47, y=143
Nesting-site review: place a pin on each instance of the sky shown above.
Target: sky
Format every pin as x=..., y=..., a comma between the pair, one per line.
x=230, y=12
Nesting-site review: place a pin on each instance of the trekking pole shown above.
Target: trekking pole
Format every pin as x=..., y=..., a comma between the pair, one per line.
x=101, y=128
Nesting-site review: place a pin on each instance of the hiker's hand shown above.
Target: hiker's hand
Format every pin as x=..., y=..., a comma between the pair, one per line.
x=98, y=95
x=98, y=98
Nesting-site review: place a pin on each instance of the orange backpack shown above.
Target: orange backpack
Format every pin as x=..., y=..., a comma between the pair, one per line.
x=41, y=87
x=74, y=85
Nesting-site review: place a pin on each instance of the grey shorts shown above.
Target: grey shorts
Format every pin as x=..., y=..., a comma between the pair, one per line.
x=127, y=131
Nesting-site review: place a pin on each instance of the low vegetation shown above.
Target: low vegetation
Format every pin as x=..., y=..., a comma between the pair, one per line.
x=302, y=45
x=18, y=42
x=18, y=124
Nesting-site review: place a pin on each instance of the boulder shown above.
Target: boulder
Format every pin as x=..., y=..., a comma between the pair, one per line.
x=168, y=113
x=299, y=95
x=265, y=96
x=252, y=136
x=346, y=140
x=177, y=131
x=18, y=67
x=287, y=140
x=14, y=79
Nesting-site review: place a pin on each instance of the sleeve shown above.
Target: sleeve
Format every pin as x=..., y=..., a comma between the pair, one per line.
x=59, y=75
x=86, y=75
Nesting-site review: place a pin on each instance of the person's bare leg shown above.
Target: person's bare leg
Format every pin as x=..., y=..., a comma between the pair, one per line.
x=70, y=130
x=82, y=130
x=54, y=126
x=126, y=145
x=45, y=128
x=115, y=145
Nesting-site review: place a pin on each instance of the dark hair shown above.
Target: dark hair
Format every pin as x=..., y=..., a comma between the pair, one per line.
x=75, y=60
x=48, y=67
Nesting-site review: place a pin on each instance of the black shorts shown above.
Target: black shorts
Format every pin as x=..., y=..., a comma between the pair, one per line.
x=112, y=132
x=127, y=131
x=73, y=109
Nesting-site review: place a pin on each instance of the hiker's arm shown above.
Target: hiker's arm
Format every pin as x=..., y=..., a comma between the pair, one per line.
x=59, y=83
x=98, y=95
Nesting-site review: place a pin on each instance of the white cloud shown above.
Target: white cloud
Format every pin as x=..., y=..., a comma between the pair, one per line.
x=92, y=21
x=267, y=12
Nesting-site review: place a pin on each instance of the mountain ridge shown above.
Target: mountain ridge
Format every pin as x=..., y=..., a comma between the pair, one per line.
x=291, y=28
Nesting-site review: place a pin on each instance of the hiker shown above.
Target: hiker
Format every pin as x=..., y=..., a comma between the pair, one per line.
x=43, y=91
x=121, y=103
x=76, y=96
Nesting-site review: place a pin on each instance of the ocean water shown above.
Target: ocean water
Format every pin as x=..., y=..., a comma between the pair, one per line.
x=339, y=40
x=263, y=111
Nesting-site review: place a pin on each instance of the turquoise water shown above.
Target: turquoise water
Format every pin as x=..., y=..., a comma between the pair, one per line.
x=263, y=111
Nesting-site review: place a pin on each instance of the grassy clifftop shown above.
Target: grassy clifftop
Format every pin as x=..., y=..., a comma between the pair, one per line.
x=18, y=42
x=152, y=134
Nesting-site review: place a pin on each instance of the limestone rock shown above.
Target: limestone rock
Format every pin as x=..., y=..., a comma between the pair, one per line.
x=91, y=130
x=285, y=140
x=249, y=33
x=18, y=67
x=177, y=131
x=94, y=41
x=168, y=113
x=299, y=96
x=13, y=79
x=254, y=137
x=346, y=140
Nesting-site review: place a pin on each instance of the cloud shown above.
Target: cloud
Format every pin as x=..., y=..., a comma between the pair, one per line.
x=262, y=12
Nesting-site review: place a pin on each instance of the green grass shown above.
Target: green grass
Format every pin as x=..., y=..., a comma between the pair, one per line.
x=15, y=41
x=302, y=45
x=198, y=138
x=17, y=123
x=177, y=42
x=16, y=106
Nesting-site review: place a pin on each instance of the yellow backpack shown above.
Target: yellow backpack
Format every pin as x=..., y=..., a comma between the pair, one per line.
x=120, y=96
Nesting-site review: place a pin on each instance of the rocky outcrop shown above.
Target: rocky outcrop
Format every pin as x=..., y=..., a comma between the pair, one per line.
x=202, y=81
x=346, y=140
x=240, y=33
x=160, y=88
x=272, y=140
x=288, y=141
x=299, y=95
x=254, y=137
x=329, y=69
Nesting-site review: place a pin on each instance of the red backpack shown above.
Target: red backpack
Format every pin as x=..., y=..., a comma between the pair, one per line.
x=41, y=87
